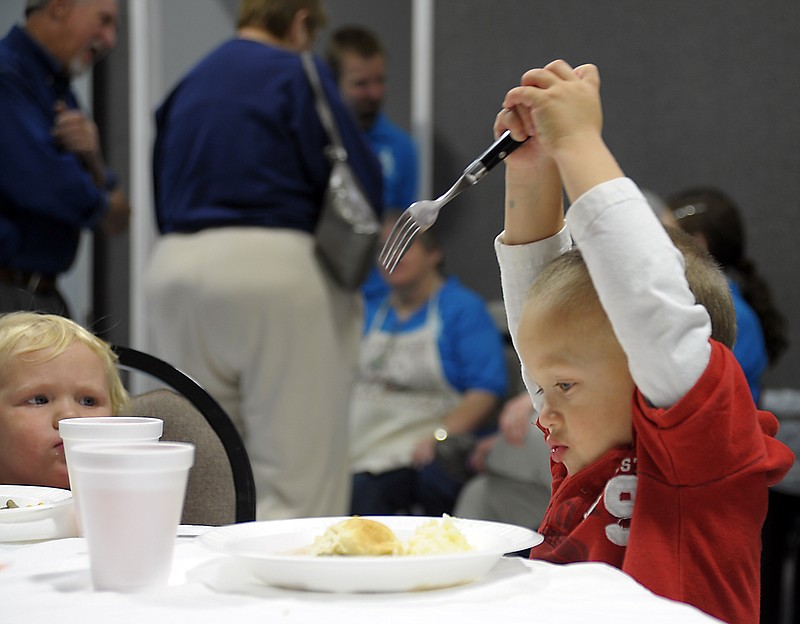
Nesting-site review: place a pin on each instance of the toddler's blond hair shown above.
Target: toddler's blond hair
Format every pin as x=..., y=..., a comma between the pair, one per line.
x=44, y=336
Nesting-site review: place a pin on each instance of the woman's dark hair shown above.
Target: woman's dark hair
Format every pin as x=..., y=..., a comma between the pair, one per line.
x=712, y=214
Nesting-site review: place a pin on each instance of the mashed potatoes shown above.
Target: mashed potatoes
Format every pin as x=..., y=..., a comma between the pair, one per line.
x=360, y=536
x=437, y=537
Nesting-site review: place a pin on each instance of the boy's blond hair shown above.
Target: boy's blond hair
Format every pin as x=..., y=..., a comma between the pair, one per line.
x=24, y=333
x=709, y=285
x=565, y=288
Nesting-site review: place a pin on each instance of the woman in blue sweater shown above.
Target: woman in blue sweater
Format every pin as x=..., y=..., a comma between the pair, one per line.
x=236, y=296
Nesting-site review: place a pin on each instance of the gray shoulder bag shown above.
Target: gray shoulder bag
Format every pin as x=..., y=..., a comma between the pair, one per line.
x=346, y=236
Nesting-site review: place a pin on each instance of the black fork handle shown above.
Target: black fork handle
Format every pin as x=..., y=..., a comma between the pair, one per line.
x=494, y=155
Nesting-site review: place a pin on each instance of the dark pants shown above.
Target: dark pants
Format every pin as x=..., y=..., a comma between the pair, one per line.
x=15, y=298
x=428, y=491
x=780, y=592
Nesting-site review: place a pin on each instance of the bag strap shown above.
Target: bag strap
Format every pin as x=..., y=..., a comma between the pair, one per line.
x=336, y=150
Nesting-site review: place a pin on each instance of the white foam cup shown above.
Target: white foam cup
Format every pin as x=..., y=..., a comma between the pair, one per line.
x=106, y=430
x=131, y=502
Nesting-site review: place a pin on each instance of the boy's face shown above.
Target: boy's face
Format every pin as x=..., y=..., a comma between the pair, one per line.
x=34, y=397
x=585, y=388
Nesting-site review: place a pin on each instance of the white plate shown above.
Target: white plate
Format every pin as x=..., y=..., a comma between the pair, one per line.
x=265, y=549
x=43, y=513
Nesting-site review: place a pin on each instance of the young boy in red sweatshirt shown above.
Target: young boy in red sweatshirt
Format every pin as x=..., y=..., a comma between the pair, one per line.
x=660, y=460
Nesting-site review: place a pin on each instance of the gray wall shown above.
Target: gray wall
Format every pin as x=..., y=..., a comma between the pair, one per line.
x=694, y=93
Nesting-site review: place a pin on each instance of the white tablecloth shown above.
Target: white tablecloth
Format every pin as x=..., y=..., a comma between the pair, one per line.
x=49, y=582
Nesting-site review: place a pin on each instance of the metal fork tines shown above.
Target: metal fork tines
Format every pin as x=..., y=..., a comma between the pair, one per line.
x=422, y=214
x=417, y=218
x=400, y=239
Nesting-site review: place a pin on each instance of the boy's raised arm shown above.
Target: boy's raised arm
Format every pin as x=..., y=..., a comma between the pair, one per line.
x=533, y=197
x=636, y=271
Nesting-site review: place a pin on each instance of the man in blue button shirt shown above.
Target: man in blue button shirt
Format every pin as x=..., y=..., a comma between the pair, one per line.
x=53, y=179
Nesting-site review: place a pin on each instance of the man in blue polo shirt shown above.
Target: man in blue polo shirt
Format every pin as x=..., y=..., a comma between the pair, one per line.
x=358, y=61
x=53, y=179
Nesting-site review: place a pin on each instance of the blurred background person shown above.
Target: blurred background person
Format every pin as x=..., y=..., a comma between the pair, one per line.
x=432, y=370
x=715, y=221
x=236, y=296
x=53, y=178
x=512, y=479
x=358, y=60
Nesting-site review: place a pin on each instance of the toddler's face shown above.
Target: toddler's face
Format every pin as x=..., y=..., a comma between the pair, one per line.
x=34, y=397
x=585, y=388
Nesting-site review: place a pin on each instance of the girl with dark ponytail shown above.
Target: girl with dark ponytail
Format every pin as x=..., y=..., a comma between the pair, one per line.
x=714, y=219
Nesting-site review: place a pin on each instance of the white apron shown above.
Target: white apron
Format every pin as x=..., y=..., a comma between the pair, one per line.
x=402, y=393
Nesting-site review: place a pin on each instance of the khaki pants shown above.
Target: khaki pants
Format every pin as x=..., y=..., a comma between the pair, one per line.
x=250, y=315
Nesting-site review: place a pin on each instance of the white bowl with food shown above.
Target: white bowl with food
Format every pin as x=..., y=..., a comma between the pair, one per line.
x=327, y=554
x=33, y=513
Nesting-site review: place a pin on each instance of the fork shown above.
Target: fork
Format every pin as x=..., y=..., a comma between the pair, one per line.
x=421, y=215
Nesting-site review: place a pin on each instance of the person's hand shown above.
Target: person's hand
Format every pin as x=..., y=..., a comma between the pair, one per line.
x=566, y=113
x=424, y=452
x=557, y=104
x=118, y=215
x=529, y=155
x=477, y=459
x=516, y=418
x=75, y=132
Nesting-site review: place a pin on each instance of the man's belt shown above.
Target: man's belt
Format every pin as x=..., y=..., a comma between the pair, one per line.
x=32, y=282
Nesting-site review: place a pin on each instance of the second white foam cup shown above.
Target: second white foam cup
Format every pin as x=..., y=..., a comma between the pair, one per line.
x=131, y=499
x=106, y=430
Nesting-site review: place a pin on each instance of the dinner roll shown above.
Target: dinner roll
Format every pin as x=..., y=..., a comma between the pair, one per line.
x=358, y=536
